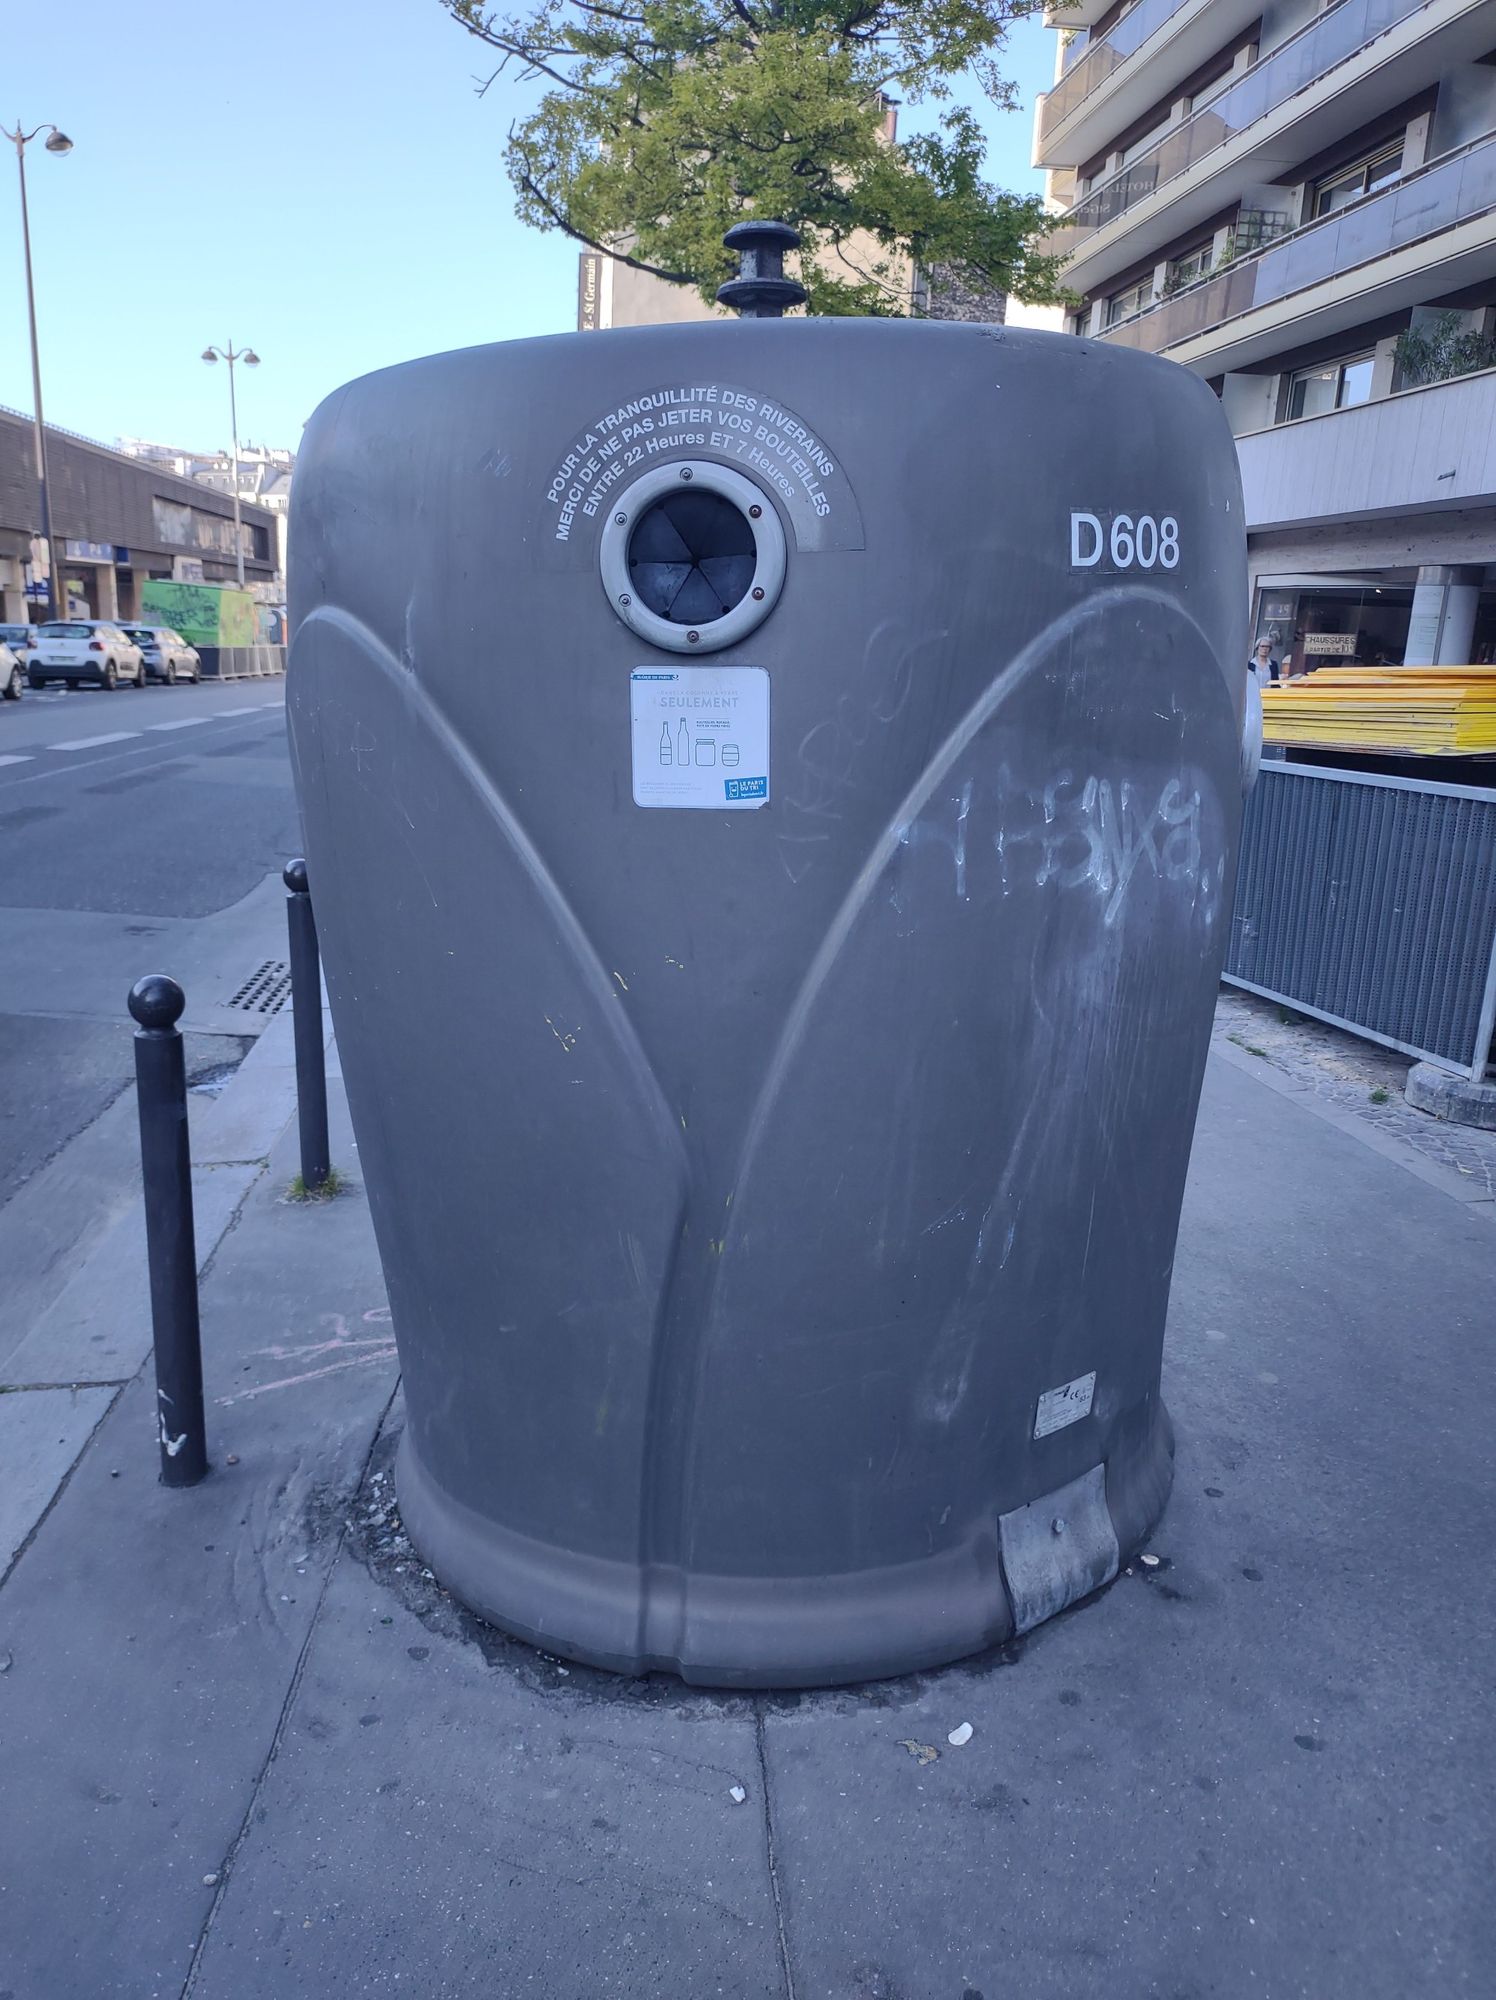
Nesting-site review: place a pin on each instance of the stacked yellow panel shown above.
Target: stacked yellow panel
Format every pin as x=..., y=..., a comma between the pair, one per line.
x=1403, y=711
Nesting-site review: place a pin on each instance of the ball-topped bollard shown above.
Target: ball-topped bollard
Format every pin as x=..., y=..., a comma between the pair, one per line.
x=156, y=1003
x=294, y=877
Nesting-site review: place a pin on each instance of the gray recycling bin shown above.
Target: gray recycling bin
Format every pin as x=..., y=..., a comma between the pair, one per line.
x=770, y=792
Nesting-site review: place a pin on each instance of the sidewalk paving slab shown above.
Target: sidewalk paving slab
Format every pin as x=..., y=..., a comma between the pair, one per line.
x=1260, y=1767
x=42, y=1432
x=98, y=1329
x=153, y=1635
x=433, y=1827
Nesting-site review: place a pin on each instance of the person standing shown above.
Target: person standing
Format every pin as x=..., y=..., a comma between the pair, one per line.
x=1263, y=665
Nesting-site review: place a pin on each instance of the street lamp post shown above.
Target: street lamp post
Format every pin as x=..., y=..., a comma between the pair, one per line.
x=55, y=142
x=247, y=355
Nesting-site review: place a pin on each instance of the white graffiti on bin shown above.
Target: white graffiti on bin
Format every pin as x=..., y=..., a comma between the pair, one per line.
x=1094, y=833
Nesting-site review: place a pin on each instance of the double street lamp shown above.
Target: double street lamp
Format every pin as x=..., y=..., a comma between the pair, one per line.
x=55, y=142
x=247, y=355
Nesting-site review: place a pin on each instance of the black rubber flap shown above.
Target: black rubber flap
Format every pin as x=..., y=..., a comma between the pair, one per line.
x=692, y=557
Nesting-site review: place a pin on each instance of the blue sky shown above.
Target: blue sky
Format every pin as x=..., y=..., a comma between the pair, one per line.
x=313, y=178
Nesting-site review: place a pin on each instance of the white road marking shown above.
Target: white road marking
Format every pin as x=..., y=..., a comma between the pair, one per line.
x=15, y=760
x=241, y=711
x=184, y=722
x=93, y=742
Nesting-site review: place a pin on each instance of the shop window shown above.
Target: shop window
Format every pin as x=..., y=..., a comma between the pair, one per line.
x=1363, y=176
x=1137, y=298
x=1335, y=385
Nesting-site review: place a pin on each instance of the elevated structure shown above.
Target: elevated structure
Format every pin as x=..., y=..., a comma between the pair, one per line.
x=1298, y=202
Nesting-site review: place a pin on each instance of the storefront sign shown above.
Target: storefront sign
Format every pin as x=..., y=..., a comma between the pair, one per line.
x=1341, y=644
x=94, y=552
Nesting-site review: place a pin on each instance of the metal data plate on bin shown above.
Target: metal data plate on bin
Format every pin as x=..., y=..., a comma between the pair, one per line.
x=773, y=1032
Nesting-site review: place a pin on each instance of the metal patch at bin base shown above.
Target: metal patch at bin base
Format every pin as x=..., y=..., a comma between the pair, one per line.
x=1058, y=1549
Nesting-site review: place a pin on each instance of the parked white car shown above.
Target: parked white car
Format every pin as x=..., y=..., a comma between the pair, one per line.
x=85, y=649
x=168, y=657
x=11, y=677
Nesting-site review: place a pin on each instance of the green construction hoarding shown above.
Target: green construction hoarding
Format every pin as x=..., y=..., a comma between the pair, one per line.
x=204, y=613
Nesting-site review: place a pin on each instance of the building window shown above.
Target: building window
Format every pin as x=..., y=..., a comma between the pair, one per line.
x=1137, y=298
x=1193, y=264
x=1141, y=144
x=1208, y=92
x=1377, y=170
x=1337, y=385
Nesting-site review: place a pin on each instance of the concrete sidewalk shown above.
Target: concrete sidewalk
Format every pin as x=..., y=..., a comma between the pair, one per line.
x=252, y=1749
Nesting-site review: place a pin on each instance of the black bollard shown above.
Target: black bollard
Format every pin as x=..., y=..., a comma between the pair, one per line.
x=306, y=1009
x=156, y=1002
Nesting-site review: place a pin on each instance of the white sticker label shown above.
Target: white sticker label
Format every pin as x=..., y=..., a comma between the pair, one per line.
x=700, y=737
x=1067, y=1405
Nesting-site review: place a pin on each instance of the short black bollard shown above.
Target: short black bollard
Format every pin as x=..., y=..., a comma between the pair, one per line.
x=306, y=1009
x=171, y=1245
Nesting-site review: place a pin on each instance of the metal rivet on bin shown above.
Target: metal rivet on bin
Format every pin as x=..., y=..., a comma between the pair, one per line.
x=625, y=600
x=692, y=637
x=620, y=520
x=1058, y=1525
x=686, y=473
x=754, y=513
x=758, y=595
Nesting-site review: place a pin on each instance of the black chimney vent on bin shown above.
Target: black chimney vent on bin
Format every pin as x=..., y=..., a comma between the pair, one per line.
x=761, y=290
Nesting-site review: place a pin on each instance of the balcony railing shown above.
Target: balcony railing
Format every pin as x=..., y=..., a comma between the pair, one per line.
x=1095, y=63
x=1450, y=190
x=1328, y=41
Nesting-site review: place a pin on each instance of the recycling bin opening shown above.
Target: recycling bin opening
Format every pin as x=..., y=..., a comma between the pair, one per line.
x=773, y=1023
x=692, y=557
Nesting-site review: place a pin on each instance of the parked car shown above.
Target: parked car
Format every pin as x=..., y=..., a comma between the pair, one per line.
x=17, y=637
x=168, y=657
x=11, y=677
x=85, y=649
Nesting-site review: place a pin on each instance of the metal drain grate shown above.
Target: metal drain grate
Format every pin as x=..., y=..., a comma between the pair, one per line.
x=266, y=990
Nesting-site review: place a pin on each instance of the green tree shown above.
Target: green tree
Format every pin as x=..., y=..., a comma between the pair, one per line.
x=662, y=122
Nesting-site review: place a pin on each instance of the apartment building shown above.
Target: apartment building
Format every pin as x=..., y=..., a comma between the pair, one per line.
x=1298, y=201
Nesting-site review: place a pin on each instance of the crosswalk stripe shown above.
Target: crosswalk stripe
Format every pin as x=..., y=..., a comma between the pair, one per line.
x=17, y=759
x=183, y=722
x=94, y=742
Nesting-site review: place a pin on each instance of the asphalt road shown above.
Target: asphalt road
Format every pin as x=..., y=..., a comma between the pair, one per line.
x=127, y=821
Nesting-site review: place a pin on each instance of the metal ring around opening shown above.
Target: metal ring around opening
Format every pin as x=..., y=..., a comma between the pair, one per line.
x=708, y=635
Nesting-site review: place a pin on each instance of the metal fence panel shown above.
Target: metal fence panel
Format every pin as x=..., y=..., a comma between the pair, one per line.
x=1371, y=902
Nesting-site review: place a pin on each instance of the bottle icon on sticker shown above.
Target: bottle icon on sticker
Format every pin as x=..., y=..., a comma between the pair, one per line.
x=683, y=743
x=667, y=753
